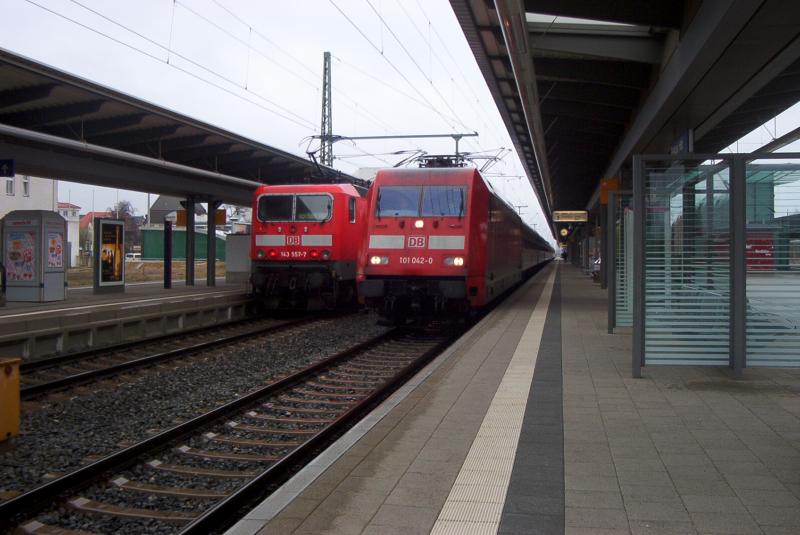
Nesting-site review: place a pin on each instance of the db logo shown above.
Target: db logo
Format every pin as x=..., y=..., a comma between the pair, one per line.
x=417, y=242
x=292, y=240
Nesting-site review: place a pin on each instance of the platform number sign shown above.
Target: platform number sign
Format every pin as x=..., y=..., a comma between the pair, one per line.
x=416, y=242
x=292, y=240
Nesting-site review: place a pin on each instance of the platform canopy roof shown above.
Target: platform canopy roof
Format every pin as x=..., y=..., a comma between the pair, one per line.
x=48, y=116
x=583, y=85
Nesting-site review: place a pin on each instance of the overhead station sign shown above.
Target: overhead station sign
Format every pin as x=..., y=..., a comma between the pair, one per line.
x=571, y=216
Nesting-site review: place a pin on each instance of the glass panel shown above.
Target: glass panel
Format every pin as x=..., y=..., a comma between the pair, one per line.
x=444, y=201
x=313, y=208
x=275, y=207
x=687, y=264
x=773, y=264
x=398, y=201
x=623, y=267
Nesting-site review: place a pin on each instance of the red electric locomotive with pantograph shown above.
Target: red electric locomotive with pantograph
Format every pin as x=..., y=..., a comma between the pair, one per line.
x=440, y=241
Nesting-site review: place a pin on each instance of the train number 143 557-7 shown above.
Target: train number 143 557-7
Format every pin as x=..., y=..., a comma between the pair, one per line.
x=425, y=260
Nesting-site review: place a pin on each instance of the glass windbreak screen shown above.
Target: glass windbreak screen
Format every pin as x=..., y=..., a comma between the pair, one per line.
x=398, y=201
x=444, y=200
x=773, y=263
x=275, y=207
x=313, y=208
x=623, y=258
x=687, y=264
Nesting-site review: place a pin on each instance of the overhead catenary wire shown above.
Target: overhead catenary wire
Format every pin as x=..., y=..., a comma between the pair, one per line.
x=417, y=65
x=296, y=121
x=467, y=83
x=368, y=115
x=350, y=102
x=450, y=122
x=478, y=110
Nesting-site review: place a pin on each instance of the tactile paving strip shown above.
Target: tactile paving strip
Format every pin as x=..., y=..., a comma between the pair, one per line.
x=475, y=503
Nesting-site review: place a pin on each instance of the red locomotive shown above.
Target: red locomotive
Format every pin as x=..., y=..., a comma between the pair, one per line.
x=304, y=247
x=440, y=240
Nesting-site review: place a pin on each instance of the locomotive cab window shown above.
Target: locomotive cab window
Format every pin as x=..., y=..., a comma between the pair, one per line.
x=399, y=201
x=444, y=201
x=313, y=208
x=275, y=207
x=416, y=201
x=351, y=207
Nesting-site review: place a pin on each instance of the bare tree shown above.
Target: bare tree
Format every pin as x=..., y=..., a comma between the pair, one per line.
x=127, y=212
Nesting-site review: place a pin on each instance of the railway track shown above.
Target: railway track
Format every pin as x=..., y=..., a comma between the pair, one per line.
x=45, y=376
x=194, y=477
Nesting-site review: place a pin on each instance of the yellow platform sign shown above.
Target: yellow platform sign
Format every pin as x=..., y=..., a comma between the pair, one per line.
x=9, y=398
x=571, y=216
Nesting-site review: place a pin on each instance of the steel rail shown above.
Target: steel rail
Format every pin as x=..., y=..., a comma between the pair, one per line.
x=31, y=502
x=32, y=391
x=223, y=513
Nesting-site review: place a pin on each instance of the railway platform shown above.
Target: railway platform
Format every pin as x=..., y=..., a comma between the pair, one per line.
x=531, y=424
x=86, y=320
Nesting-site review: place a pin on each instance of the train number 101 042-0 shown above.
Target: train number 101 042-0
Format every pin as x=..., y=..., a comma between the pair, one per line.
x=424, y=260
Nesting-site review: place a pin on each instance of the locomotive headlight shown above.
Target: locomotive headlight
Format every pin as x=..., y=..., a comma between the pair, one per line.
x=379, y=260
x=326, y=255
x=260, y=253
x=454, y=261
x=419, y=223
x=458, y=261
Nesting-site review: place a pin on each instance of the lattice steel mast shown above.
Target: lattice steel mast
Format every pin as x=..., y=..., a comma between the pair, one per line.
x=326, y=129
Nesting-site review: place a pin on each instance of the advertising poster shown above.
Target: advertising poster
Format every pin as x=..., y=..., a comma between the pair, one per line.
x=55, y=249
x=20, y=255
x=112, y=253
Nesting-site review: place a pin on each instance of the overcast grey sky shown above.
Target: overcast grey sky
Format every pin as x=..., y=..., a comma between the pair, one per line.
x=254, y=67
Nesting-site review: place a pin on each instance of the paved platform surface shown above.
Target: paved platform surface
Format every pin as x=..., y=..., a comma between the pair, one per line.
x=592, y=451
x=80, y=297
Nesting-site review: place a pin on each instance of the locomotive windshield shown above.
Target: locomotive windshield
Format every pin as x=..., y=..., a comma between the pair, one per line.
x=275, y=207
x=443, y=200
x=398, y=201
x=417, y=201
x=312, y=208
x=295, y=208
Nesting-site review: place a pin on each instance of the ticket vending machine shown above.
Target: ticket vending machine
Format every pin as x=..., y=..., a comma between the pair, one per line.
x=34, y=255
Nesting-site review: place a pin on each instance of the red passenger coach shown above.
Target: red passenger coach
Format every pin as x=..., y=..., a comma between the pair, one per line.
x=304, y=246
x=440, y=240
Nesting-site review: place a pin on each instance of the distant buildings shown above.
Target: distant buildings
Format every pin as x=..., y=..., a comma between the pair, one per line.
x=87, y=220
x=24, y=192
x=165, y=207
x=70, y=212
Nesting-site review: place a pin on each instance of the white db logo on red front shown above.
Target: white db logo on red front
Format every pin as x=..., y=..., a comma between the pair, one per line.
x=417, y=242
x=292, y=240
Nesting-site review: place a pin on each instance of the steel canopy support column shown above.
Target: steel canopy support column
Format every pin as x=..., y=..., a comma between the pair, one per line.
x=738, y=304
x=190, y=241
x=638, y=276
x=603, y=249
x=211, y=244
x=167, y=254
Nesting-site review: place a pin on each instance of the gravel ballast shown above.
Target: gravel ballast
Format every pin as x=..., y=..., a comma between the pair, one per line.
x=57, y=436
